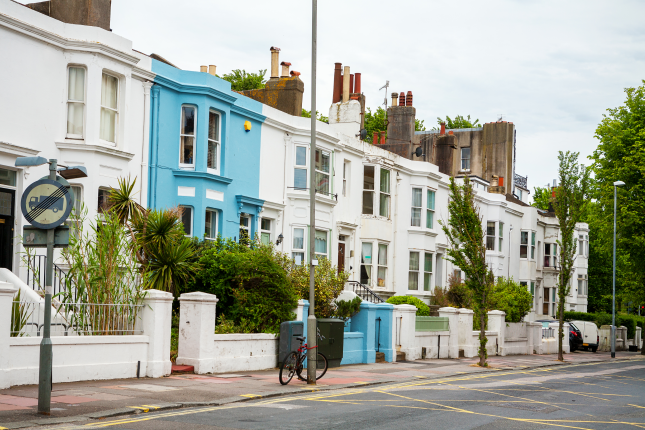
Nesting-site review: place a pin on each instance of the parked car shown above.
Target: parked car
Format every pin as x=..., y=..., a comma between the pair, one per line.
x=590, y=336
x=575, y=335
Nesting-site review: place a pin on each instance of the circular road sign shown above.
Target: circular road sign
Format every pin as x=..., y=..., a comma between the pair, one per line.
x=46, y=204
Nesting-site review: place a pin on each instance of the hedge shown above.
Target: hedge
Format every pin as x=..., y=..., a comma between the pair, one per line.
x=423, y=310
x=603, y=318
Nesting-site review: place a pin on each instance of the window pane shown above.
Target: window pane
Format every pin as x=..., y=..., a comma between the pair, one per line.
x=298, y=238
x=187, y=120
x=532, y=252
x=524, y=237
x=501, y=229
x=547, y=249
x=490, y=243
x=384, y=207
x=75, y=118
x=523, y=251
x=368, y=177
x=186, y=154
x=500, y=245
x=381, y=275
x=430, y=202
x=244, y=221
x=321, y=242
x=366, y=274
x=532, y=238
x=416, y=217
x=490, y=228
x=555, y=249
x=76, y=84
x=366, y=253
x=76, y=190
x=213, y=126
x=385, y=181
x=427, y=266
x=322, y=161
x=300, y=179
x=532, y=288
x=187, y=220
x=368, y=202
x=465, y=158
x=413, y=280
x=212, y=155
x=298, y=257
x=108, y=125
x=429, y=219
x=382, y=255
x=416, y=197
x=414, y=261
x=322, y=182
x=109, y=87
x=211, y=218
x=265, y=224
x=265, y=238
x=427, y=279
x=103, y=200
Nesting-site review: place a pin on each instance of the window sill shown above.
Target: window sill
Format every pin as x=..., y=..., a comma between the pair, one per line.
x=376, y=217
x=201, y=175
x=422, y=232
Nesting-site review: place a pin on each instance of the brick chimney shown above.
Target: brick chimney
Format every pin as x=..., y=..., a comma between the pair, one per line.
x=95, y=13
x=400, y=127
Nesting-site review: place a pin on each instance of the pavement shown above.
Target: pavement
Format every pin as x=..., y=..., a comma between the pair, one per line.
x=90, y=402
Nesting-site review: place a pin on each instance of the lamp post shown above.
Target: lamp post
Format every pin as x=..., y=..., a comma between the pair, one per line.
x=613, y=280
x=312, y=338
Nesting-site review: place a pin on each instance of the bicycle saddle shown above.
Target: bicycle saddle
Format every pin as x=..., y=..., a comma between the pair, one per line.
x=301, y=339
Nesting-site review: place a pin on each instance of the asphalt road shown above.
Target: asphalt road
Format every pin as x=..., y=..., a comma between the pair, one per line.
x=583, y=396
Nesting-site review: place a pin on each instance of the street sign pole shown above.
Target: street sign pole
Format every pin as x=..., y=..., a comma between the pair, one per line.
x=46, y=355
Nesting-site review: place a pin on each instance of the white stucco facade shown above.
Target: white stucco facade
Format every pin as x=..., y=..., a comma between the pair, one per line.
x=109, y=93
x=394, y=248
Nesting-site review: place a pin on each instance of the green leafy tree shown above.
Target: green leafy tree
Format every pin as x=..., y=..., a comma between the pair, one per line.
x=467, y=251
x=377, y=121
x=570, y=204
x=241, y=80
x=541, y=198
x=458, y=122
x=307, y=114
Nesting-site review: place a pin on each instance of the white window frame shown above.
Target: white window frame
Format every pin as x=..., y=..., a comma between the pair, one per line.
x=304, y=167
x=368, y=265
x=525, y=244
x=345, y=176
x=380, y=266
x=492, y=238
x=246, y=227
x=583, y=285
x=116, y=111
x=500, y=235
x=214, y=228
x=430, y=287
x=98, y=196
x=218, y=142
x=83, y=103
x=269, y=231
x=411, y=270
x=329, y=192
x=384, y=195
x=295, y=250
x=369, y=192
x=461, y=154
x=417, y=208
x=533, y=234
x=430, y=211
x=188, y=166
x=78, y=201
x=192, y=220
x=327, y=237
x=552, y=255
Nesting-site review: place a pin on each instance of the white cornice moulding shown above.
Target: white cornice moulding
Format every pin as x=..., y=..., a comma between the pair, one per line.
x=104, y=150
x=21, y=151
x=302, y=131
x=64, y=43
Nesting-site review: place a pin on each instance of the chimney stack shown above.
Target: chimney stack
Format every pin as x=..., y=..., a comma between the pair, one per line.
x=408, y=99
x=211, y=69
x=395, y=97
x=275, y=61
x=285, y=69
x=338, y=85
x=346, y=84
x=402, y=98
x=203, y=69
x=357, y=83
x=443, y=129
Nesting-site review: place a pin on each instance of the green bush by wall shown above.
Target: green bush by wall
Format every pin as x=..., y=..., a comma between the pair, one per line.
x=423, y=310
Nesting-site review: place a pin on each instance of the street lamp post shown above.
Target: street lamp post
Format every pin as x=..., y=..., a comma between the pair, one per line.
x=613, y=280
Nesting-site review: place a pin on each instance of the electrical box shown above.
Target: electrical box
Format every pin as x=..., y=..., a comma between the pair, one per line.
x=289, y=331
x=331, y=334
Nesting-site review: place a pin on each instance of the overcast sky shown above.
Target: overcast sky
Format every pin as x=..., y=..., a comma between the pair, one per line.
x=551, y=67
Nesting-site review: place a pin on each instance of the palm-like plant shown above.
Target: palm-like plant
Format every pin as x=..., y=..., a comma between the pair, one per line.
x=122, y=203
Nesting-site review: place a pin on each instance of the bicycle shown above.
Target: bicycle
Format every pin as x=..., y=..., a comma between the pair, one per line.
x=293, y=363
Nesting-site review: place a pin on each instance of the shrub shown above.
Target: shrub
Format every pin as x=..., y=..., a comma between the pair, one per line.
x=346, y=309
x=514, y=299
x=456, y=295
x=254, y=291
x=423, y=310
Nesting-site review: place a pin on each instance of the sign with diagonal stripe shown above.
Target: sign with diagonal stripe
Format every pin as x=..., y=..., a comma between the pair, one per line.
x=46, y=204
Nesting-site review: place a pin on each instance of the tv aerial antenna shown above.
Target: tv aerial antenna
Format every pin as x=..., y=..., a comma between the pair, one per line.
x=386, y=86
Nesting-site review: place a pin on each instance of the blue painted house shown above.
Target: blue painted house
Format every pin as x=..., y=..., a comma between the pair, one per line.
x=204, y=152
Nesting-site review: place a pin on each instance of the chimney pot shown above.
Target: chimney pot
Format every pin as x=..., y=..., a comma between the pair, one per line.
x=211, y=69
x=346, y=84
x=294, y=73
x=375, y=138
x=338, y=83
x=203, y=69
x=402, y=98
x=451, y=132
x=285, y=69
x=275, y=62
x=382, y=138
x=443, y=128
x=395, y=97
x=351, y=84
x=408, y=99
x=357, y=83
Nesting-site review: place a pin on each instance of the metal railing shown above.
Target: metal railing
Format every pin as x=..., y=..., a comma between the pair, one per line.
x=364, y=292
x=75, y=319
x=521, y=181
x=548, y=332
x=36, y=275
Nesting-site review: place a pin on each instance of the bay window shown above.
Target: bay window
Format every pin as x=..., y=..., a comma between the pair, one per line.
x=417, y=196
x=322, y=171
x=298, y=245
x=430, y=209
x=187, y=137
x=109, y=107
x=75, y=102
x=490, y=236
x=300, y=169
x=368, y=190
x=384, y=203
x=524, y=244
x=213, y=141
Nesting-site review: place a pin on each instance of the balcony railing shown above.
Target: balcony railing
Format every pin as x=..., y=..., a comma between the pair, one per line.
x=365, y=292
x=521, y=181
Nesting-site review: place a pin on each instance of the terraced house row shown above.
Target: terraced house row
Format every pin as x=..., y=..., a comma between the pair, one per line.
x=239, y=163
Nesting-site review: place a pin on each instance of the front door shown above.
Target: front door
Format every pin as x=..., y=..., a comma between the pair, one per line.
x=6, y=228
x=341, y=257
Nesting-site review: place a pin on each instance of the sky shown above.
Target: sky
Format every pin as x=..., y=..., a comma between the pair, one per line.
x=550, y=67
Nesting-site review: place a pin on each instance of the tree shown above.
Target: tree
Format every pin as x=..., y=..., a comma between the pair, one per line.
x=377, y=121
x=512, y=298
x=241, y=80
x=307, y=114
x=458, y=122
x=571, y=198
x=467, y=251
x=541, y=198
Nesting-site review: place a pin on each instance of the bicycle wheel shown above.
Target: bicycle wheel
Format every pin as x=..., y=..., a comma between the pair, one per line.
x=321, y=368
x=288, y=368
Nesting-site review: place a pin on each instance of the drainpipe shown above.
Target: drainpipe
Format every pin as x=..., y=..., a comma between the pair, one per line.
x=144, y=138
x=287, y=140
x=346, y=84
x=275, y=61
x=154, y=146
